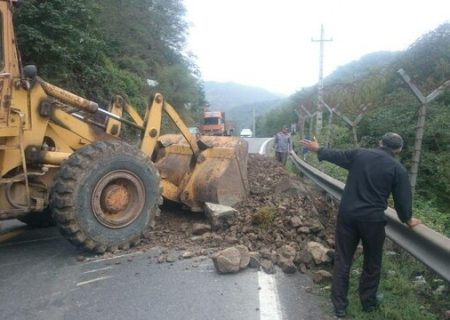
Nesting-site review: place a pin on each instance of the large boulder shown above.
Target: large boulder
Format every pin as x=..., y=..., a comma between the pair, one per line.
x=227, y=260
x=318, y=252
x=220, y=216
x=245, y=256
x=231, y=260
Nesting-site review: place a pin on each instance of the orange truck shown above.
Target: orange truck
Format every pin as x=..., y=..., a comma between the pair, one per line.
x=214, y=124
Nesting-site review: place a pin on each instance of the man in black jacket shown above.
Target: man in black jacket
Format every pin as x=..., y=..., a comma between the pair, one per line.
x=373, y=174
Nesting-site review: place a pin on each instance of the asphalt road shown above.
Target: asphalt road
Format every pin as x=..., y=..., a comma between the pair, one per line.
x=42, y=276
x=257, y=145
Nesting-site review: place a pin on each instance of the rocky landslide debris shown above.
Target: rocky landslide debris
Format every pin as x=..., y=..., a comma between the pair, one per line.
x=282, y=222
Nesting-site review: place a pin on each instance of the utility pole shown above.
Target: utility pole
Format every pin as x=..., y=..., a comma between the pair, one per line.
x=320, y=85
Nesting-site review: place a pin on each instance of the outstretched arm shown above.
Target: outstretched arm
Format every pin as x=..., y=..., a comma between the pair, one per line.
x=342, y=158
x=311, y=145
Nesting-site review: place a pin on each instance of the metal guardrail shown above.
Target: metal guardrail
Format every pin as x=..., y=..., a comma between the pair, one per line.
x=428, y=246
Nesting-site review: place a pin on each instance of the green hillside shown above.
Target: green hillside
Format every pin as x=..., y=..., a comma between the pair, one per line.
x=373, y=81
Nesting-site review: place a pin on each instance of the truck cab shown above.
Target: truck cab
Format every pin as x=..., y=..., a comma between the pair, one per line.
x=213, y=123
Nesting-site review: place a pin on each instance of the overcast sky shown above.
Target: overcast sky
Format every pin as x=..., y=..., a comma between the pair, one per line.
x=267, y=43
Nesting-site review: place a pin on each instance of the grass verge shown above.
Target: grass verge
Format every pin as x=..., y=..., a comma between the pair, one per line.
x=410, y=291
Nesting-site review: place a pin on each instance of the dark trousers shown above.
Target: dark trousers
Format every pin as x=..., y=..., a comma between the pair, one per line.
x=281, y=157
x=348, y=234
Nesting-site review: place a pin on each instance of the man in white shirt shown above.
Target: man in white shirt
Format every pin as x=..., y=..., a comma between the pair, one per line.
x=282, y=145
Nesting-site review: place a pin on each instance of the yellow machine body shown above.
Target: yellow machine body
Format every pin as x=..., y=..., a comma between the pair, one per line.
x=42, y=125
x=218, y=173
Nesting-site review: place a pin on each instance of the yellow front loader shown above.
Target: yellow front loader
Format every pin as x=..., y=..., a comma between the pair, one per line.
x=58, y=163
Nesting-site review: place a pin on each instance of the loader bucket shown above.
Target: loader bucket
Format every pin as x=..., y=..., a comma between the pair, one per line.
x=217, y=174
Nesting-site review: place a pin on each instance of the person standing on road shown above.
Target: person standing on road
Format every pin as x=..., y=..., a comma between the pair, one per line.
x=282, y=145
x=373, y=174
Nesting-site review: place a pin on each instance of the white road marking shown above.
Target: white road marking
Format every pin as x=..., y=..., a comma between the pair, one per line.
x=96, y=270
x=262, y=150
x=95, y=260
x=79, y=284
x=269, y=303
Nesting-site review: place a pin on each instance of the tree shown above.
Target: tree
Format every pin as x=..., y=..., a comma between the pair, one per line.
x=60, y=38
x=148, y=40
x=101, y=48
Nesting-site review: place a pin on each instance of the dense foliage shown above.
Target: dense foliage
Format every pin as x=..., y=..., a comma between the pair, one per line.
x=374, y=82
x=101, y=48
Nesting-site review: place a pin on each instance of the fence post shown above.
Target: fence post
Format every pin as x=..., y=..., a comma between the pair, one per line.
x=424, y=101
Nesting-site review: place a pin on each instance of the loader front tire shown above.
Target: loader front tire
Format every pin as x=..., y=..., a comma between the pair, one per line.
x=105, y=196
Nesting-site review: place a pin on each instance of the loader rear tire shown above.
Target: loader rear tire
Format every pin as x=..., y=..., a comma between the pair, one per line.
x=105, y=196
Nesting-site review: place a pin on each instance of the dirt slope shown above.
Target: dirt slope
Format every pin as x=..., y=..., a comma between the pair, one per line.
x=280, y=210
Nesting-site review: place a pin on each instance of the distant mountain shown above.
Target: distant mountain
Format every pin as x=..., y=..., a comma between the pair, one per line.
x=242, y=116
x=223, y=96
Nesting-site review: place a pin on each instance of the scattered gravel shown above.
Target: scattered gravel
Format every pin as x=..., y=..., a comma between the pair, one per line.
x=280, y=213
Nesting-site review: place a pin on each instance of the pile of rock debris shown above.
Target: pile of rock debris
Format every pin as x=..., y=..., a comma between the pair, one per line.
x=283, y=222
